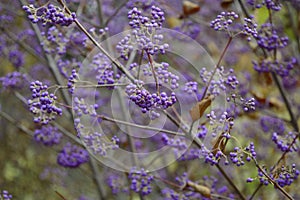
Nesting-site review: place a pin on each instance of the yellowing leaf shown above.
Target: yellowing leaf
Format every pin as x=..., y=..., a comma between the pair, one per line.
x=173, y=22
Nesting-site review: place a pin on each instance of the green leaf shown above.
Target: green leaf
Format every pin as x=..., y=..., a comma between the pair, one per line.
x=262, y=15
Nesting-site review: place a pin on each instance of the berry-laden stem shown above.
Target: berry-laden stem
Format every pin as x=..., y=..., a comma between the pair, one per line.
x=272, y=181
x=139, y=126
x=217, y=66
x=199, y=145
x=113, y=60
x=52, y=66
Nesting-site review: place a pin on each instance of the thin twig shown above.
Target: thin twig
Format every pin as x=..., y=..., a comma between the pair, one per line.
x=16, y=123
x=96, y=176
x=26, y=47
x=140, y=126
x=244, y=9
x=216, y=67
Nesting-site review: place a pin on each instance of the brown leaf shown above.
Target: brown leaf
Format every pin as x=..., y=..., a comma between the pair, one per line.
x=220, y=144
x=190, y=8
x=205, y=191
x=198, y=110
x=226, y=3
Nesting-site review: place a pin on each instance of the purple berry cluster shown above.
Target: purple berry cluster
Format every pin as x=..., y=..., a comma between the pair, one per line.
x=202, y=131
x=42, y=103
x=66, y=66
x=13, y=80
x=48, y=135
x=16, y=57
x=282, y=68
x=49, y=14
x=222, y=81
x=116, y=183
x=98, y=144
x=189, y=28
x=248, y=104
x=103, y=70
x=274, y=5
x=214, y=158
x=5, y=195
x=72, y=156
x=271, y=124
x=250, y=28
x=72, y=80
x=162, y=73
x=220, y=122
x=54, y=41
x=140, y=181
x=81, y=108
x=286, y=175
x=188, y=155
x=232, y=81
x=237, y=156
x=147, y=101
x=284, y=141
x=143, y=35
x=137, y=20
x=177, y=143
x=223, y=21
x=269, y=39
x=251, y=149
x=191, y=87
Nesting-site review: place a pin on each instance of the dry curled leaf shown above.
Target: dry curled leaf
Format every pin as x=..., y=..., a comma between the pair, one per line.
x=219, y=144
x=205, y=191
x=226, y=3
x=189, y=8
x=198, y=110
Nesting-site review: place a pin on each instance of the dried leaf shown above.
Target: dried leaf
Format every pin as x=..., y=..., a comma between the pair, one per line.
x=198, y=110
x=220, y=144
x=190, y=8
x=276, y=103
x=205, y=191
x=226, y=3
x=259, y=96
x=268, y=78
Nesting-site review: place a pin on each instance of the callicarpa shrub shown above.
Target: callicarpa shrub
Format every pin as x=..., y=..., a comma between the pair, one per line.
x=175, y=100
